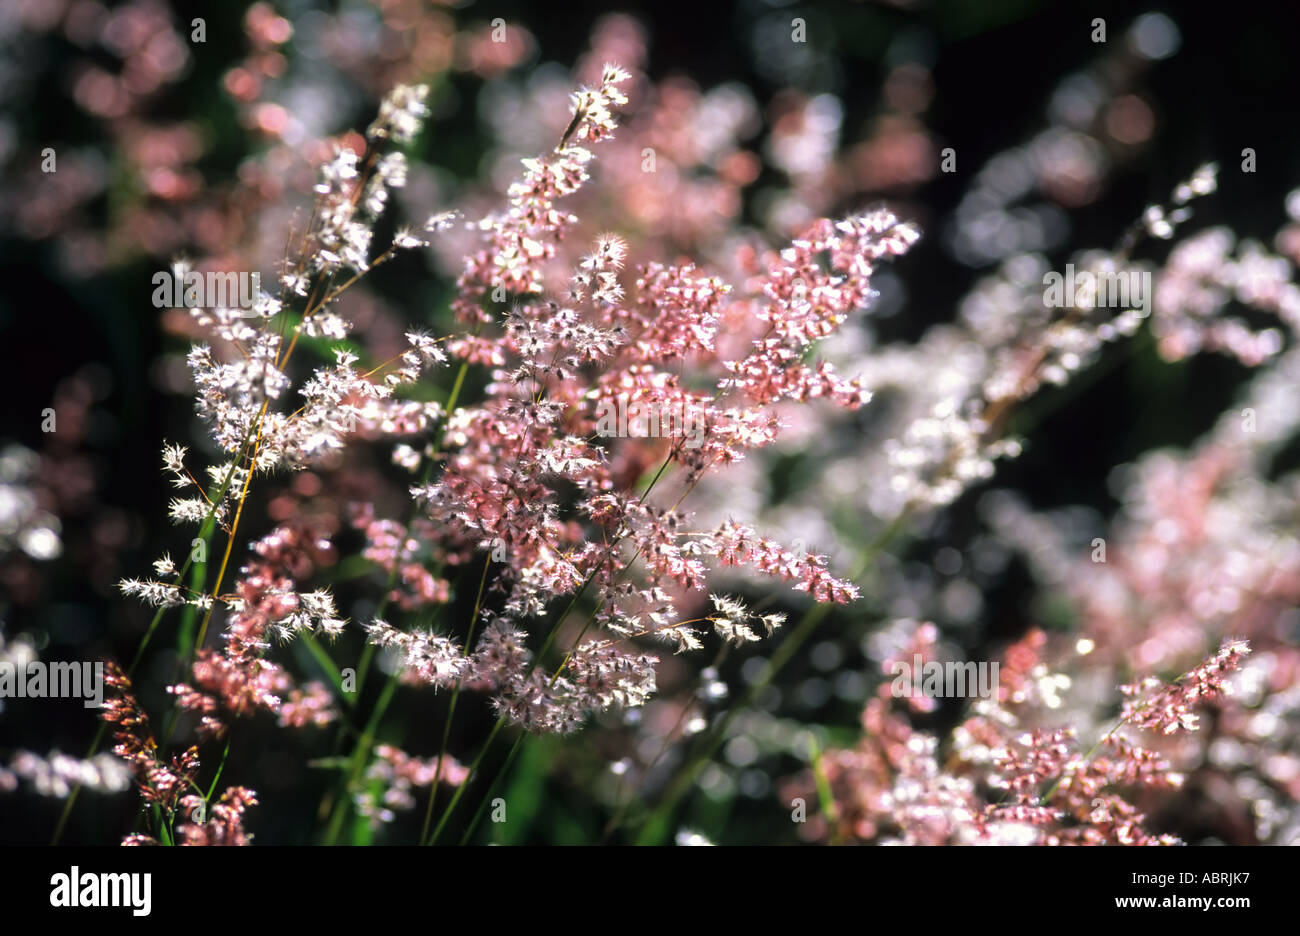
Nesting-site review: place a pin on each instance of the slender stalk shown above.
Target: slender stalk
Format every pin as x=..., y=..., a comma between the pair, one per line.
x=1087, y=758
x=358, y=759
x=451, y=708
x=500, y=722
x=460, y=790
x=333, y=804
x=98, y=739
x=824, y=796
x=487, y=796
x=550, y=641
x=368, y=652
x=221, y=766
x=616, y=820
x=234, y=527
x=655, y=827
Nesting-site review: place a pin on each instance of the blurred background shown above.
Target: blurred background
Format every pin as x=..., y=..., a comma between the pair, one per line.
x=167, y=147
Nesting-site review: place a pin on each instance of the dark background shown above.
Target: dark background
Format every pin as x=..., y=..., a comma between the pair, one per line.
x=1232, y=84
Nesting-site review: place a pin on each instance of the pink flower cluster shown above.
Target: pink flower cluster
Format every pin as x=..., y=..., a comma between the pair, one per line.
x=1008, y=777
x=520, y=479
x=160, y=783
x=1168, y=708
x=240, y=678
x=398, y=775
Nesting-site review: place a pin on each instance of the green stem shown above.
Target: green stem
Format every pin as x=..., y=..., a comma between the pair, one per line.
x=337, y=809
x=208, y=522
x=656, y=827
x=469, y=777
x=546, y=646
x=824, y=794
x=487, y=797
x=327, y=664
x=451, y=708
x=358, y=759
x=217, y=776
x=1087, y=758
